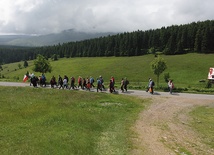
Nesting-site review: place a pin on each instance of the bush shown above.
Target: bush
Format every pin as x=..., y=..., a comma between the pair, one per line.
x=209, y=84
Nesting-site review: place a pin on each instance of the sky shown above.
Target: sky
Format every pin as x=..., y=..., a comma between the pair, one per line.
x=40, y=17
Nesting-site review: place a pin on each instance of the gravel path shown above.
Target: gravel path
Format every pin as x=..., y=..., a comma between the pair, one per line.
x=163, y=128
x=132, y=92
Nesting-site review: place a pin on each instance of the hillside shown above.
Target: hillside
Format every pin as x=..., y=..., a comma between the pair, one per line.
x=185, y=70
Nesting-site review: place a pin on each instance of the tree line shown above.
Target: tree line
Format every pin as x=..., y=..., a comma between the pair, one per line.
x=176, y=39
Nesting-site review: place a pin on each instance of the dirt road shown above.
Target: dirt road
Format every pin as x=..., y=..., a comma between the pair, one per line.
x=163, y=128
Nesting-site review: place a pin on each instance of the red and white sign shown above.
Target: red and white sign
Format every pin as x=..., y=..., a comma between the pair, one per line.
x=211, y=74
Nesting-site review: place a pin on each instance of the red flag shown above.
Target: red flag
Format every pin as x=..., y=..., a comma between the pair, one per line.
x=25, y=78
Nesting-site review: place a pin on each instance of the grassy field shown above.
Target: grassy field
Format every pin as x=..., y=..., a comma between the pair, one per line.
x=50, y=121
x=185, y=70
x=203, y=123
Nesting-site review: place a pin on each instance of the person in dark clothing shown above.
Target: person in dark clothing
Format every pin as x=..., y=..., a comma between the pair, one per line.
x=111, y=86
x=126, y=82
x=72, y=83
x=60, y=82
x=122, y=85
x=84, y=83
x=43, y=80
x=53, y=81
x=34, y=81
x=99, y=85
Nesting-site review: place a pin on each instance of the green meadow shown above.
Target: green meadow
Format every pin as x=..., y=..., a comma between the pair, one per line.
x=203, y=123
x=185, y=70
x=51, y=121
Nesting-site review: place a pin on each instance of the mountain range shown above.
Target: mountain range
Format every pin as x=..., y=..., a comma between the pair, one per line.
x=65, y=36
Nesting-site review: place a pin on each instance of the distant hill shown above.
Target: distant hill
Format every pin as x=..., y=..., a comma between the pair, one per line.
x=50, y=39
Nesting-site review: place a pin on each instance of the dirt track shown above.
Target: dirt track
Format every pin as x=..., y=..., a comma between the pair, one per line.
x=163, y=127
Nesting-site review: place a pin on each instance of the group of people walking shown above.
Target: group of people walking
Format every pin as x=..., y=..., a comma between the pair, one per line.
x=151, y=85
x=82, y=83
x=88, y=83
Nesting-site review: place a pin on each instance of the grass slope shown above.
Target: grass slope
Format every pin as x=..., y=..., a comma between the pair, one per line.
x=50, y=121
x=185, y=70
x=203, y=123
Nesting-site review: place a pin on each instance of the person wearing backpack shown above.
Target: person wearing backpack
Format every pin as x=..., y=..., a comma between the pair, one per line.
x=171, y=86
x=151, y=86
x=126, y=82
x=99, y=85
x=122, y=85
x=60, y=82
x=72, y=83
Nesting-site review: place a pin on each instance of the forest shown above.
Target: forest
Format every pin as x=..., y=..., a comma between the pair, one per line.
x=172, y=40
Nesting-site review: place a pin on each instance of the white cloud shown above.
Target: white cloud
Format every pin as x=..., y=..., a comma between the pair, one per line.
x=48, y=16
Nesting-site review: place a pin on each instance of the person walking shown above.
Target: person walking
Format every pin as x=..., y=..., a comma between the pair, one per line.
x=171, y=86
x=92, y=81
x=113, y=82
x=102, y=82
x=80, y=82
x=126, y=82
x=53, y=81
x=60, y=82
x=122, y=85
x=111, y=86
x=65, y=82
x=148, y=85
x=72, y=83
x=151, y=86
x=99, y=85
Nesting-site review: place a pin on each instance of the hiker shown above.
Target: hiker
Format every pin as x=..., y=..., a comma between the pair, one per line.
x=168, y=84
x=148, y=85
x=84, y=83
x=31, y=78
x=171, y=86
x=151, y=86
x=43, y=80
x=88, y=86
x=111, y=86
x=53, y=81
x=102, y=82
x=72, y=83
x=80, y=82
x=92, y=81
x=113, y=82
x=99, y=85
x=126, y=82
x=34, y=81
x=122, y=85
x=60, y=82
x=66, y=79
x=65, y=82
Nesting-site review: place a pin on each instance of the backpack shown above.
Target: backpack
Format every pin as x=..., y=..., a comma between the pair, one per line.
x=153, y=83
x=127, y=82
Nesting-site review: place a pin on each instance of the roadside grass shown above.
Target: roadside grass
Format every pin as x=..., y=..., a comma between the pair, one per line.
x=185, y=70
x=203, y=123
x=50, y=121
